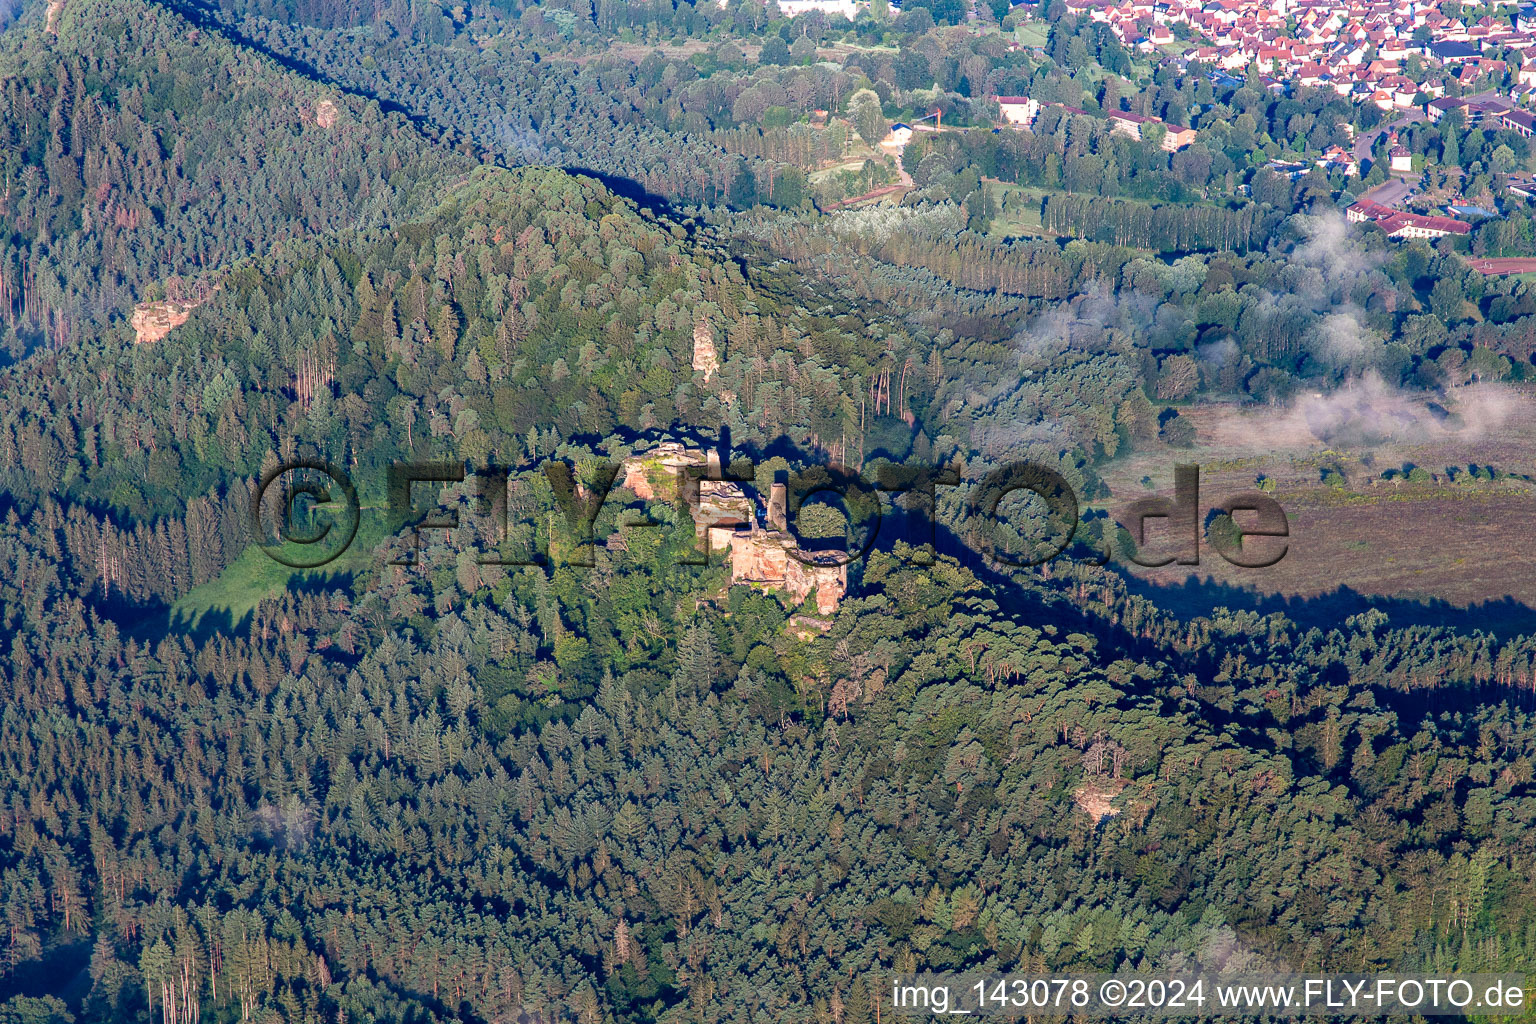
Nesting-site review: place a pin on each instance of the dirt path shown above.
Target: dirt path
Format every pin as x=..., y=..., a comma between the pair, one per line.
x=879, y=193
x=901, y=171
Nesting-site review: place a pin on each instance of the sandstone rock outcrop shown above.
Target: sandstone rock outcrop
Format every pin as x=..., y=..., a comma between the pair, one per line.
x=705, y=359
x=722, y=510
x=154, y=320
x=767, y=558
x=657, y=475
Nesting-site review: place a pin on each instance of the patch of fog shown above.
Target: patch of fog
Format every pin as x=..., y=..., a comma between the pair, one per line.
x=529, y=146
x=1006, y=438
x=1327, y=258
x=1322, y=272
x=1217, y=354
x=1326, y=278
x=1367, y=411
x=1340, y=339
x=1087, y=320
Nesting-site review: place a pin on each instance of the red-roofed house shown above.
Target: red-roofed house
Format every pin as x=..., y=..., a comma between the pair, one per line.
x=1401, y=224
x=1177, y=138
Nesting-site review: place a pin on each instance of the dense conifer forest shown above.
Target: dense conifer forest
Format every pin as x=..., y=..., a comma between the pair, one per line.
x=437, y=780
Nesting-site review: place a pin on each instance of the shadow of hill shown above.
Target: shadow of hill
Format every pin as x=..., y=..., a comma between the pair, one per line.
x=158, y=622
x=207, y=16
x=1200, y=596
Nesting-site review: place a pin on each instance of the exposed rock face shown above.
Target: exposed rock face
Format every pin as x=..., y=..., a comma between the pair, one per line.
x=325, y=114
x=154, y=320
x=636, y=479
x=808, y=627
x=723, y=509
x=658, y=473
x=763, y=557
x=778, y=508
x=705, y=359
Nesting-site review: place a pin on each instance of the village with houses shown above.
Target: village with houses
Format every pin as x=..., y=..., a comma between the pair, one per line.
x=1410, y=60
x=1359, y=49
x=1415, y=63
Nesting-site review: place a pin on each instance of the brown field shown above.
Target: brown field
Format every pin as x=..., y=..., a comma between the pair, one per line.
x=1504, y=265
x=1450, y=538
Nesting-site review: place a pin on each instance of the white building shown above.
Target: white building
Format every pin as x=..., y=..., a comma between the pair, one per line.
x=793, y=8
x=1019, y=110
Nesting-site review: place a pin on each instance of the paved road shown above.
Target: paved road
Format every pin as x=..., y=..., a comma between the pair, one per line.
x=1365, y=143
x=1393, y=191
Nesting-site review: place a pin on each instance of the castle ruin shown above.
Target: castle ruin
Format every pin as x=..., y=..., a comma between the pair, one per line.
x=725, y=519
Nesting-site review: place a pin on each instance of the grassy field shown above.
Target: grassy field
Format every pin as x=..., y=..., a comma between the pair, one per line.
x=1032, y=33
x=254, y=577
x=826, y=173
x=1020, y=208
x=250, y=579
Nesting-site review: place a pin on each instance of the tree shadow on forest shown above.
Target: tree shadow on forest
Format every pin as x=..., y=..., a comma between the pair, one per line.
x=207, y=16
x=1195, y=596
x=1190, y=598
x=151, y=624
x=1200, y=596
x=203, y=626
x=63, y=970
x=629, y=188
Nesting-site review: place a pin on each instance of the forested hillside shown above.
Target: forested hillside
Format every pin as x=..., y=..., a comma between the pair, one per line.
x=513, y=102
x=528, y=775
x=140, y=149
x=473, y=790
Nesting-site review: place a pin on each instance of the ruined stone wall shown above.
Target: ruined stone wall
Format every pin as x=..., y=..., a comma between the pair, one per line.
x=764, y=558
x=726, y=517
